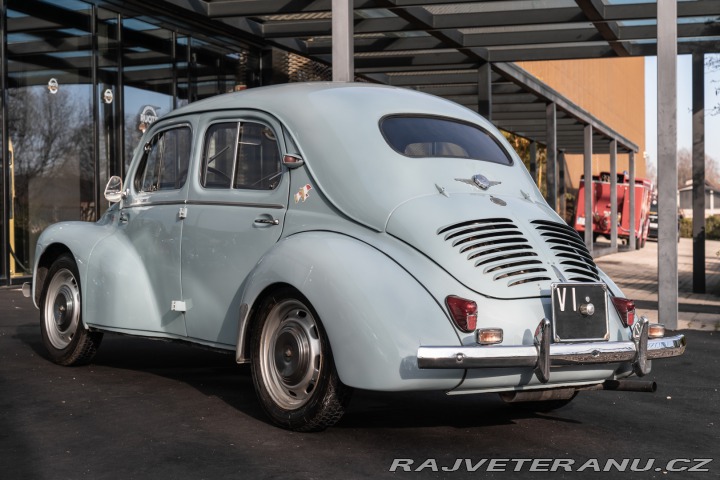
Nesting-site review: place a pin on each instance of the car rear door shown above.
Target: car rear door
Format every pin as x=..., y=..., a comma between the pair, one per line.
x=235, y=212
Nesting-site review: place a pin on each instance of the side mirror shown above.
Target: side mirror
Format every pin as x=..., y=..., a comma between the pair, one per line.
x=113, y=190
x=293, y=161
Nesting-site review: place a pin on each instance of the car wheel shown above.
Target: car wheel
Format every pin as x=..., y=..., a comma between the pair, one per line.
x=292, y=366
x=63, y=334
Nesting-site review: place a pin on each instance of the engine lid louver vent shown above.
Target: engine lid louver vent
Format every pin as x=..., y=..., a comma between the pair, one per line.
x=574, y=258
x=498, y=248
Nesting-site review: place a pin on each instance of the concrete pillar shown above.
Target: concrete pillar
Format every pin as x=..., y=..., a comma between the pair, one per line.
x=587, y=172
x=343, y=62
x=698, y=171
x=551, y=173
x=667, y=163
x=613, y=195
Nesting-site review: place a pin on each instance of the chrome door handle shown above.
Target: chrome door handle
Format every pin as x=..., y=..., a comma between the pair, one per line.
x=268, y=221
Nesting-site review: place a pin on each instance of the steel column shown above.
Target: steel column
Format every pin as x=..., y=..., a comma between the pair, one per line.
x=587, y=172
x=94, y=61
x=120, y=99
x=667, y=163
x=485, y=91
x=632, y=243
x=698, y=172
x=561, y=183
x=5, y=249
x=613, y=195
x=533, y=161
x=343, y=65
x=551, y=157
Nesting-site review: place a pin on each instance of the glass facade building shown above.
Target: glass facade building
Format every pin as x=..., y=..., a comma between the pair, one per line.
x=80, y=83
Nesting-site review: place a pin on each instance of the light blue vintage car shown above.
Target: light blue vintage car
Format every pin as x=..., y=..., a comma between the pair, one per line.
x=340, y=236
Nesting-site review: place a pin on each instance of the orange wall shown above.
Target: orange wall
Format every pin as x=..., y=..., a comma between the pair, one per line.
x=611, y=89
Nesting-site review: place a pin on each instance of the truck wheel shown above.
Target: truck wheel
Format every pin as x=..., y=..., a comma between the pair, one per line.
x=63, y=334
x=292, y=365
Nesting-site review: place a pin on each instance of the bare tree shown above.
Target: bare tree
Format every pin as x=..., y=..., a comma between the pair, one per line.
x=684, y=162
x=47, y=131
x=53, y=168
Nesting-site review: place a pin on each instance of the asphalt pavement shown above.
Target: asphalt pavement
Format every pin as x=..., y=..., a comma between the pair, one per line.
x=155, y=410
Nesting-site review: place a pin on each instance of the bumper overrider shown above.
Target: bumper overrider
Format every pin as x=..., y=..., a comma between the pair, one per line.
x=544, y=354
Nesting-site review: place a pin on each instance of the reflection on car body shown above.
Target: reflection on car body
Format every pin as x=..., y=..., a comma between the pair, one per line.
x=341, y=236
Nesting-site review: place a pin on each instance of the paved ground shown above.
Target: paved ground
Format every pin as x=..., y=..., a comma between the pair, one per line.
x=153, y=410
x=636, y=273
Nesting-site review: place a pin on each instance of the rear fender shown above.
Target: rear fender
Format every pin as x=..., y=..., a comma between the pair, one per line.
x=375, y=313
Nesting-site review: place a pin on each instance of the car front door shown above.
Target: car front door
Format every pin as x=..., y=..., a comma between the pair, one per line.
x=135, y=272
x=235, y=212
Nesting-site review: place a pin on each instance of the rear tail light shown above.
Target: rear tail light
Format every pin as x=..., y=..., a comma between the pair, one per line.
x=626, y=310
x=463, y=312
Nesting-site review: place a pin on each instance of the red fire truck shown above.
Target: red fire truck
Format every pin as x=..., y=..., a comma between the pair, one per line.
x=600, y=218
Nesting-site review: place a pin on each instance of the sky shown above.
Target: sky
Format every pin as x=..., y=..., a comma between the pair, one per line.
x=684, y=111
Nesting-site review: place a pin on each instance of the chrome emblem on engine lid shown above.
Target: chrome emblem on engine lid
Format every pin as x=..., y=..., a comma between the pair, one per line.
x=480, y=181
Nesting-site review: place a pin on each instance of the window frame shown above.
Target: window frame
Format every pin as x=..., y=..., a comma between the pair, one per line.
x=139, y=175
x=203, y=164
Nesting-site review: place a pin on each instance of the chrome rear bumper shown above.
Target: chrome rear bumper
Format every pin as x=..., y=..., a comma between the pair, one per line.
x=543, y=354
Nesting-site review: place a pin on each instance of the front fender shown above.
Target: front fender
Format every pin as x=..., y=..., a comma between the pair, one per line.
x=375, y=313
x=79, y=238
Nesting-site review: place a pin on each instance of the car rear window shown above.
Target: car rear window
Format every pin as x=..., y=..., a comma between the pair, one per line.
x=417, y=137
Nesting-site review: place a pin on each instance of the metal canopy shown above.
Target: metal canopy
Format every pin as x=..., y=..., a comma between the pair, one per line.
x=439, y=46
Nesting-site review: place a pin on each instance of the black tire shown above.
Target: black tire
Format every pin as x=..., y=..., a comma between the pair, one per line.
x=66, y=339
x=292, y=366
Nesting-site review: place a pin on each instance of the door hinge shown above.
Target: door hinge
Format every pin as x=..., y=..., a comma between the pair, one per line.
x=178, y=306
x=182, y=213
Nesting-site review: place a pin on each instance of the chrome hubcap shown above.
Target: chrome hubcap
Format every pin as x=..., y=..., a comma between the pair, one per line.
x=62, y=309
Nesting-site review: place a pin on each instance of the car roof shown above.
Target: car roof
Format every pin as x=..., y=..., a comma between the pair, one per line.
x=336, y=128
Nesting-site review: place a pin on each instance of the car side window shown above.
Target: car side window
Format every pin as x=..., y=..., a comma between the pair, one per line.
x=165, y=161
x=241, y=155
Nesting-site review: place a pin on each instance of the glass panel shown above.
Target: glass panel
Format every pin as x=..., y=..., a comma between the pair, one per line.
x=166, y=161
x=248, y=151
x=258, y=158
x=148, y=77
x=440, y=137
x=50, y=120
x=219, y=155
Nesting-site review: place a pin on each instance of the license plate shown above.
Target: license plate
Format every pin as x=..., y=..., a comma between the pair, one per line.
x=653, y=225
x=579, y=312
